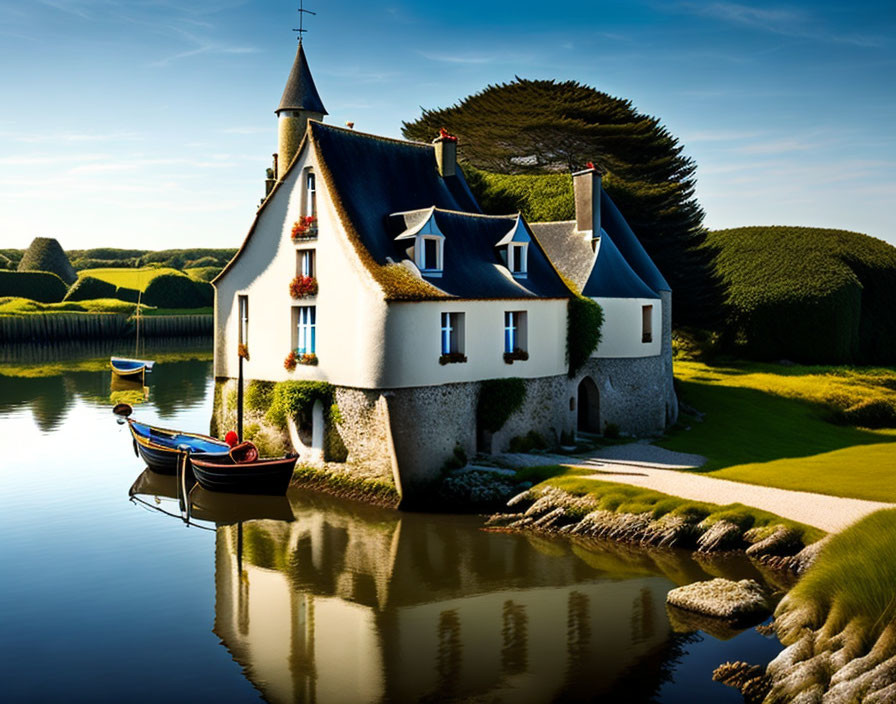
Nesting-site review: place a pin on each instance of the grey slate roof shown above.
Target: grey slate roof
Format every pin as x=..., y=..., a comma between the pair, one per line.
x=612, y=277
x=629, y=245
x=376, y=177
x=571, y=253
x=300, y=92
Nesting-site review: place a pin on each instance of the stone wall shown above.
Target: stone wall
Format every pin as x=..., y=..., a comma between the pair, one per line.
x=671, y=397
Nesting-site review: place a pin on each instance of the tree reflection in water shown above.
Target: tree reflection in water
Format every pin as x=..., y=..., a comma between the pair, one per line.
x=351, y=603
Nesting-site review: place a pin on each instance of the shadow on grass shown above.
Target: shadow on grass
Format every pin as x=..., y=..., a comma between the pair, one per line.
x=746, y=426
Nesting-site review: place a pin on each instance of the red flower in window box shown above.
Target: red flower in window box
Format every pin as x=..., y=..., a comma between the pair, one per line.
x=304, y=228
x=303, y=286
x=517, y=355
x=309, y=359
x=290, y=362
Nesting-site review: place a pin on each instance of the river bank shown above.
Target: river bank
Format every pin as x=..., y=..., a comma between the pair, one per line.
x=69, y=326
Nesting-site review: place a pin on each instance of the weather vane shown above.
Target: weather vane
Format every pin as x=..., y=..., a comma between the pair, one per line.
x=302, y=12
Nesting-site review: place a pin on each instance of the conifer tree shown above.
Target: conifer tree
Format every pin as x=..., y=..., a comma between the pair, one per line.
x=550, y=127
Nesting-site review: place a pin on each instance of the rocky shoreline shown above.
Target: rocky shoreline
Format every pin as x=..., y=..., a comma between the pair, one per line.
x=554, y=511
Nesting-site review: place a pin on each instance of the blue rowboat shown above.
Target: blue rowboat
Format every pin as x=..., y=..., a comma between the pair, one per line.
x=162, y=449
x=130, y=368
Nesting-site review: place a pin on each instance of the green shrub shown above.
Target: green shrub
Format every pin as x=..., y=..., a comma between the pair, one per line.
x=539, y=197
x=532, y=440
x=584, y=321
x=178, y=291
x=457, y=460
x=294, y=399
x=131, y=295
x=807, y=294
x=39, y=286
x=498, y=400
x=259, y=395
x=46, y=254
x=87, y=287
x=868, y=413
x=205, y=273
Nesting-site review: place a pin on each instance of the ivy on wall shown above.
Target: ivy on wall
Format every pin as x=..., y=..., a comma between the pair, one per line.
x=583, y=325
x=291, y=399
x=498, y=400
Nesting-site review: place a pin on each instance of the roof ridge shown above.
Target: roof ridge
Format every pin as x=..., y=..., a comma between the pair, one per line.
x=475, y=215
x=369, y=135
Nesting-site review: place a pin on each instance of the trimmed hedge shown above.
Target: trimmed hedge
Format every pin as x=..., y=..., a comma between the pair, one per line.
x=807, y=294
x=40, y=286
x=88, y=287
x=498, y=400
x=46, y=254
x=178, y=291
x=539, y=197
x=131, y=295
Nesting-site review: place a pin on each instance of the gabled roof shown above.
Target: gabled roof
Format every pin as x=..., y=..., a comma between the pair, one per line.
x=612, y=277
x=629, y=245
x=570, y=252
x=382, y=187
x=300, y=92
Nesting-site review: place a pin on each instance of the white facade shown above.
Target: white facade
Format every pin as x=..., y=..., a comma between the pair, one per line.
x=622, y=334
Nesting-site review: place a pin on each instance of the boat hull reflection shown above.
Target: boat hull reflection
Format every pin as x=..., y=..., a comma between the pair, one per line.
x=222, y=509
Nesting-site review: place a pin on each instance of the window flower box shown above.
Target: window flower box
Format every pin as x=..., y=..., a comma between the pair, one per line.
x=303, y=286
x=517, y=355
x=293, y=359
x=453, y=358
x=305, y=228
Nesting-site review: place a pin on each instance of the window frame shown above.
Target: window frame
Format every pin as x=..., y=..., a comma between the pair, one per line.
x=516, y=329
x=306, y=256
x=243, y=319
x=647, y=324
x=310, y=201
x=420, y=258
x=451, y=333
x=305, y=326
x=518, y=259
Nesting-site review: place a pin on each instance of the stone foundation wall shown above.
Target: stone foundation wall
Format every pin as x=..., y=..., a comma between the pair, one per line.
x=634, y=393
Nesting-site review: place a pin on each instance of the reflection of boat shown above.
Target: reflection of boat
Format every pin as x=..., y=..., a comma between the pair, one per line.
x=220, y=472
x=161, y=448
x=130, y=368
x=222, y=509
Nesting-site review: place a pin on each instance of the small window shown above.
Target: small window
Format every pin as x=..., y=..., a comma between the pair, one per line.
x=243, y=302
x=306, y=330
x=429, y=252
x=452, y=333
x=310, y=195
x=515, y=332
x=516, y=259
x=305, y=263
x=646, y=323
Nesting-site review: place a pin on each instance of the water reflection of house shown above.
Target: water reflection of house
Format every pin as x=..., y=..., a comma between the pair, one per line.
x=367, y=606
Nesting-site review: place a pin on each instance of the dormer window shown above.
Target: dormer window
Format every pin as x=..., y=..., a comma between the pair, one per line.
x=424, y=241
x=517, y=254
x=513, y=249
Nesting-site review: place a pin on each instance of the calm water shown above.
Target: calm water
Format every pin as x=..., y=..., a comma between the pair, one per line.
x=304, y=599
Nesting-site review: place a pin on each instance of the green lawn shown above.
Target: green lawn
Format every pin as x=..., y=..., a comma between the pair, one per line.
x=770, y=425
x=850, y=583
x=137, y=279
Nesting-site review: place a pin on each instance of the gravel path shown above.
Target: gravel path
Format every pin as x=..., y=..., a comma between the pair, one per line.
x=652, y=467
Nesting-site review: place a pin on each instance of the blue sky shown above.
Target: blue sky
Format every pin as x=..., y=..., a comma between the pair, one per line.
x=149, y=123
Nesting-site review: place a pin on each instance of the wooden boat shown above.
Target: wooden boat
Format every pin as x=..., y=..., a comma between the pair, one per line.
x=221, y=472
x=163, y=449
x=130, y=368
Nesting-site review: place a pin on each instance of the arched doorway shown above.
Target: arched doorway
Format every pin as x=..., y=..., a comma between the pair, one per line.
x=588, y=406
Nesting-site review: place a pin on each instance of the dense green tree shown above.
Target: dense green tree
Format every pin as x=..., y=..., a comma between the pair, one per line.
x=548, y=127
x=46, y=254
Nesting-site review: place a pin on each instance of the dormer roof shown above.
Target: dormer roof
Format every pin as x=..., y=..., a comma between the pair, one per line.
x=300, y=92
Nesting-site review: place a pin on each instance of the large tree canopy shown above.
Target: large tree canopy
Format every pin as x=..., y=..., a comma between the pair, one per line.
x=528, y=127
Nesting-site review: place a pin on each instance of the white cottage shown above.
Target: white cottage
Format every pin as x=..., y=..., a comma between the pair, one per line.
x=370, y=266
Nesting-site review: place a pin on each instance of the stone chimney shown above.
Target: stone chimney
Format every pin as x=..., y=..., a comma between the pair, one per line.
x=445, y=146
x=586, y=186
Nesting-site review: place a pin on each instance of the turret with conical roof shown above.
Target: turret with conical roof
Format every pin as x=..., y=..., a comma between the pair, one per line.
x=300, y=103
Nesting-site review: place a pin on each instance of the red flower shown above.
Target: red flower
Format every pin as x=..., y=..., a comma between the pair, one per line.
x=303, y=286
x=304, y=227
x=290, y=362
x=446, y=135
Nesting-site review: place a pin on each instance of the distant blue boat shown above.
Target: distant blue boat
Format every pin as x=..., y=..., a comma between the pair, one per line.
x=161, y=448
x=130, y=368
